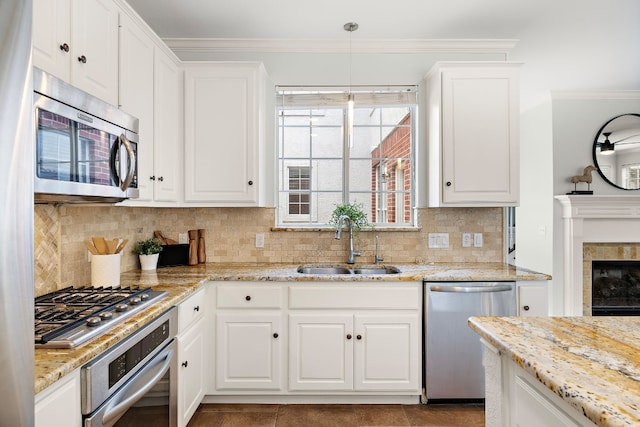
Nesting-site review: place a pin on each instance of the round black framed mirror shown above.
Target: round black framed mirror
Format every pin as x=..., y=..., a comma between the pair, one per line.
x=616, y=151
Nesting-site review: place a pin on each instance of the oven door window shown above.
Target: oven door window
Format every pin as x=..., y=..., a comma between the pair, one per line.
x=68, y=150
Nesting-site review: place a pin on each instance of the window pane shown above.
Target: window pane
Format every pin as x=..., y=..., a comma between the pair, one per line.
x=311, y=150
x=329, y=175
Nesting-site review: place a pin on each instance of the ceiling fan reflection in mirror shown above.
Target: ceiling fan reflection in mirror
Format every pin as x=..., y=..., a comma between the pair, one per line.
x=607, y=147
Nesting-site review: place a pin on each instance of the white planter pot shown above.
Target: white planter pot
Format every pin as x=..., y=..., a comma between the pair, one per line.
x=148, y=262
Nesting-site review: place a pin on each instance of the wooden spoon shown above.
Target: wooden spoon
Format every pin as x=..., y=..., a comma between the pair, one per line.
x=100, y=244
x=112, y=245
x=90, y=247
x=121, y=246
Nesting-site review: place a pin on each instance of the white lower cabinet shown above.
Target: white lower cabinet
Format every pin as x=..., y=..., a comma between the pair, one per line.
x=248, y=351
x=191, y=356
x=320, y=339
x=387, y=353
x=514, y=397
x=320, y=352
x=369, y=352
x=532, y=298
x=59, y=404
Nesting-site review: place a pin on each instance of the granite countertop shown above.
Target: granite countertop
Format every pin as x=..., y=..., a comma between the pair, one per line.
x=593, y=363
x=180, y=282
x=437, y=272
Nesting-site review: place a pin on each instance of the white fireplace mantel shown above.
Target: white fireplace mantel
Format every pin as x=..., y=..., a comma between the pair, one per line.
x=593, y=219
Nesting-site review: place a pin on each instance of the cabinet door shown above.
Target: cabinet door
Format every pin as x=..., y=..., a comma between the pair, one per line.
x=387, y=352
x=136, y=95
x=51, y=37
x=94, y=54
x=321, y=352
x=167, y=152
x=480, y=134
x=532, y=300
x=190, y=372
x=248, y=351
x=59, y=404
x=222, y=133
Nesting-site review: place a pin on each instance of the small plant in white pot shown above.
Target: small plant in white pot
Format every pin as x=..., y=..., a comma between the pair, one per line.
x=148, y=251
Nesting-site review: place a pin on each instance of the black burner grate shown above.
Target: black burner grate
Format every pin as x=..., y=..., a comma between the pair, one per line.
x=65, y=309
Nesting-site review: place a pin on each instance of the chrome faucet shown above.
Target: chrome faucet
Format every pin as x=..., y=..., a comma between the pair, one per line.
x=352, y=252
x=378, y=258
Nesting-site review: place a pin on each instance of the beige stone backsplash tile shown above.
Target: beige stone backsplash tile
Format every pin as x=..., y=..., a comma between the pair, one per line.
x=61, y=259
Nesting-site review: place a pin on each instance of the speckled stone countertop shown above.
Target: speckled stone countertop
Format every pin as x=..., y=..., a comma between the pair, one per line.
x=593, y=363
x=180, y=282
x=437, y=272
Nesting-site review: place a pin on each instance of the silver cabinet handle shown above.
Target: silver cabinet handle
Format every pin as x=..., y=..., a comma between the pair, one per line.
x=471, y=289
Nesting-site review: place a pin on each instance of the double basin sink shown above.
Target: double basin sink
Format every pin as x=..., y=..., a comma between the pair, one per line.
x=362, y=270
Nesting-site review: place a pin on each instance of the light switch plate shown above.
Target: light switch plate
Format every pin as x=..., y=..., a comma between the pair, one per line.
x=183, y=238
x=477, y=240
x=259, y=240
x=438, y=240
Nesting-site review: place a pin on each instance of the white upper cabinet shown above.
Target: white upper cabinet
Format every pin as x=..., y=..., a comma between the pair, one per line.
x=77, y=41
x=136, y=94
x=225, y=133
x=166, y=178
x=473, y=133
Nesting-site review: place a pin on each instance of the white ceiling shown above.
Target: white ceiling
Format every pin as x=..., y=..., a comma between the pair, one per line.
x=566, y=45
x=304, y=19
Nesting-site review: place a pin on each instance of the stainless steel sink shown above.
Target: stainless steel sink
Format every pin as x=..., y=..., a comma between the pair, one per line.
x=375, y=270
x=322, y=269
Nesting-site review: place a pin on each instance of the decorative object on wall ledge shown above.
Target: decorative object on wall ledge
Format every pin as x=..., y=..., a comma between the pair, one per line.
x=585, y=177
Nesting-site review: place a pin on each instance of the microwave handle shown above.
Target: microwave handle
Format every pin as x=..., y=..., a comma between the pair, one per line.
x=126, y=182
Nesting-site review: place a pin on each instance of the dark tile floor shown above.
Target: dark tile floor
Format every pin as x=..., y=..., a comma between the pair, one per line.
x=225, y=415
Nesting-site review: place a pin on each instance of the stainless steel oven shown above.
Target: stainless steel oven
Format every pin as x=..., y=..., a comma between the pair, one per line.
x=135, y=382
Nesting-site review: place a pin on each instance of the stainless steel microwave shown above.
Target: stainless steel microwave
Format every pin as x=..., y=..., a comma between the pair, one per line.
x=85, y=148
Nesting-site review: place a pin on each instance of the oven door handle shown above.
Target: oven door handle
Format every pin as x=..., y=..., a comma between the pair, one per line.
x=140, y=384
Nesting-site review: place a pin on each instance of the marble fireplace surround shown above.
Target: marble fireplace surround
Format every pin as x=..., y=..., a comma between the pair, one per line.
x=593, y=219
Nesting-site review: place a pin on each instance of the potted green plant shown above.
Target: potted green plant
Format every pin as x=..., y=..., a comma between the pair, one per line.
x=354, y=211
x=148, y=251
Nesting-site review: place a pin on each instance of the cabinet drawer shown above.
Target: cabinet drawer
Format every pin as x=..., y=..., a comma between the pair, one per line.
x=365, y=296
x=191, y=310
x=249, y=296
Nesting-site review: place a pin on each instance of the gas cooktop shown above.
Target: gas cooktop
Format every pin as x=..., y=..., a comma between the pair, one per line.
x=71, y=316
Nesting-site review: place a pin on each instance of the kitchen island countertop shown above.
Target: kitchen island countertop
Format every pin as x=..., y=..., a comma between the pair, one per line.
x=592, y=363
x=180, y=282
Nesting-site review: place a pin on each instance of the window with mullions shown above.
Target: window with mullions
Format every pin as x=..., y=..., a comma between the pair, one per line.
x=323, y=161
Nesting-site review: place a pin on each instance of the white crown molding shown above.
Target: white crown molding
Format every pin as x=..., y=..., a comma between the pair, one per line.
x=595, y=94
x=200, y=45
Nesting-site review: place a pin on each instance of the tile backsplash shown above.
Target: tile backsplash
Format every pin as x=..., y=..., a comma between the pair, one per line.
x=61, y=258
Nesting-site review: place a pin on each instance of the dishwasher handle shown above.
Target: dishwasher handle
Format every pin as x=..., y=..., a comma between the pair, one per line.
x=471, y=289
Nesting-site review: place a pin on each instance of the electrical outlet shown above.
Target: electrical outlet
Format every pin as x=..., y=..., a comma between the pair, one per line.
x=477, y=240
x=183, y=238
x=259, y=240
x=466, y=240
x=438, y=240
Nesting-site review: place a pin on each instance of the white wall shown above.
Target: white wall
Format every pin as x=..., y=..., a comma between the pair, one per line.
x=576, y=120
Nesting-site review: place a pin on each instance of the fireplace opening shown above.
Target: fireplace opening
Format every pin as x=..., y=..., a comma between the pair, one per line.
x=615, y=288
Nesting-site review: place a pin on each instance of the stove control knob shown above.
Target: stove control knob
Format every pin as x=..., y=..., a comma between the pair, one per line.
x=144, y=297
x=105, y=315
x=93, y=321
x=122, y=307
x=135, y=301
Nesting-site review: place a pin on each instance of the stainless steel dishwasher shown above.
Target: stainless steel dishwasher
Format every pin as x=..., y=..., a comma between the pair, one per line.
x=453, y=353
